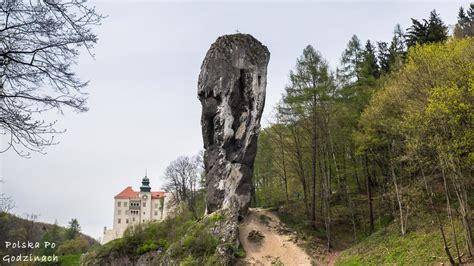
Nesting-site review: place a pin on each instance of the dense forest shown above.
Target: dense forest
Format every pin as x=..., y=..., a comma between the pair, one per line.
x=386, y=138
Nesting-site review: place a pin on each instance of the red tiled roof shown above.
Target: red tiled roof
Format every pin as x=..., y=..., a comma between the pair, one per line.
x=157, y=194
x=128, y=192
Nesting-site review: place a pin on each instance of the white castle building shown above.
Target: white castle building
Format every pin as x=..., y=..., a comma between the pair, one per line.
x=135, y=207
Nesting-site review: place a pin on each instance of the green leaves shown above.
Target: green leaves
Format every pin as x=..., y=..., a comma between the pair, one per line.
x=427, y=31
x=427, y=107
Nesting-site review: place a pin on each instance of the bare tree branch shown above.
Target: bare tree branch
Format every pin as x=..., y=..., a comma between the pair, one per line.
x=39, y=43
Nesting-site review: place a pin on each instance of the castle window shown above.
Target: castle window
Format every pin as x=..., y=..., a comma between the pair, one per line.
x=118, y=221
x=144, y=204
x=133, y=219
x=125, y=204
x=156, y=213
x=126, y=221
x=119, y=203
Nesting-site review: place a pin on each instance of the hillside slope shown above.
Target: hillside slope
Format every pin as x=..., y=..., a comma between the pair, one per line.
x=16, y=229
x=422, y=245
x=267, y=241
x=12, y=222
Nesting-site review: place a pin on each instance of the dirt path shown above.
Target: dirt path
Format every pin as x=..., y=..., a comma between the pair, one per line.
x=278, y=245
x=331, y=258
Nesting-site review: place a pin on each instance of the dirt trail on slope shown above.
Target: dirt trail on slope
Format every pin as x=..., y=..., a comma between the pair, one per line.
x=278, y=245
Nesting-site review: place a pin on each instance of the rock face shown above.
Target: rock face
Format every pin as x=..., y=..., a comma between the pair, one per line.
x=231, y=89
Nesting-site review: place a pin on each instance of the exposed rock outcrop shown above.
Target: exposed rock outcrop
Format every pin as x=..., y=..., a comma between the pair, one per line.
x=231, y=89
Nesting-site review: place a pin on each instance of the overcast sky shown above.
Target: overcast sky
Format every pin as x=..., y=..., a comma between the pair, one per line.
x=144, y=110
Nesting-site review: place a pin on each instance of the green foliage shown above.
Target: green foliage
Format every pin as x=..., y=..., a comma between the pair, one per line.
x=180, y=237
x=189, y=261
x=465, y=25
x=211, y=260
x=14, y=228
x=349, y=156
x=215, y=217
x=70, y=260
x=427, y=31
x=73, y=230
x=350, y=61
x=199, y=241
x=150, y=246
x=368, y=68
x=77, y=245
x=240, y=253
x=422, y=246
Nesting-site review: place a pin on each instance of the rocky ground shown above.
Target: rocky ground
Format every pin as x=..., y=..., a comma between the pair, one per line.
x=267, y=241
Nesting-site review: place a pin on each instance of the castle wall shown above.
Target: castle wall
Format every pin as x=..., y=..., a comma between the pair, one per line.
x=133, y=211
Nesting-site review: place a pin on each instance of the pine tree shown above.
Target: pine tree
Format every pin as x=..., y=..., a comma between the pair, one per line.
x=369, y=70
x=398, y=47
x=398, y=43
x=73, y=230
x=417, y=32
x=350, y=61
x=470, y=12
x=383, y=57
x=427, y=31
x=465, y=25
x=437, y=31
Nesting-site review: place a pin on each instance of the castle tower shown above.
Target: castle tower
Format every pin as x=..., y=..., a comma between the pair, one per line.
x=145, y=196
x=145, y=185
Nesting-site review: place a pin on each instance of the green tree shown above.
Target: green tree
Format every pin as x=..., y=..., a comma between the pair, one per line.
x=350, y=61
x=427, y=31
x=77, y=245
x=397, y=49
x=73, y=229
x=465, y=25
x=421, y=121
x=383, y=57
x=53, y=235
x=369, y=69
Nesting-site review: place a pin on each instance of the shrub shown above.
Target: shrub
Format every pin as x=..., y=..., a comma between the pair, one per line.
x=147, y=247
x=189, y=261
x=240, y=253
x=77, y=245
x=181, y=236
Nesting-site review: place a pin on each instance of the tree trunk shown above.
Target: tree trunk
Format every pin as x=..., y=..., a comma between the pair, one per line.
x=399, y=199
x=433, y=212
x=300, y=169
x=368, y=186
x=448, y=208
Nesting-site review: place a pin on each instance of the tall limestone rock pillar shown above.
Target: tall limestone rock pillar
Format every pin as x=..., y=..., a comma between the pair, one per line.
x=231, y=89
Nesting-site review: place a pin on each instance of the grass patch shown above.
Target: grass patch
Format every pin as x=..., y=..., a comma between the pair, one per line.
x=70, y=260
x=421, y=246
